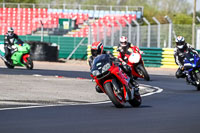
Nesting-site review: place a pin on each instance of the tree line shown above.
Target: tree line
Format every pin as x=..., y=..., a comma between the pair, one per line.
x=180, y=11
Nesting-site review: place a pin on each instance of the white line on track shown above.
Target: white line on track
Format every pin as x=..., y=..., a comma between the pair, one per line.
x=158, y=90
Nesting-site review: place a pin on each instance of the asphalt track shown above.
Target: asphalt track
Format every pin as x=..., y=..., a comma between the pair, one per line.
x=175, y=110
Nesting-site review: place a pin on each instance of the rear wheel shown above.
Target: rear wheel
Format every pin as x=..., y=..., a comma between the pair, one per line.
x=29, y=63
x=134, y=77
x=116, y=98
x=142, y=72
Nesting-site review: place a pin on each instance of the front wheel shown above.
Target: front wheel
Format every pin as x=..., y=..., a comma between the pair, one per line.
x=198, y=81
x=142, y=71
x=137, y=100
x=9, y=65
x=29, y=63
x=113, y=96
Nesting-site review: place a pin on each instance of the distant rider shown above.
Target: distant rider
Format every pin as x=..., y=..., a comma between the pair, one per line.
x=123, y=49
x=9, y=41
x=180, y=49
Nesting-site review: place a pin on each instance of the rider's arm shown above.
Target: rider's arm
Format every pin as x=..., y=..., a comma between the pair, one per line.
x=191, y=49
x=136, y=49
x=7, y=40
x=176, y=57
x=18, y=39
x=90, y=60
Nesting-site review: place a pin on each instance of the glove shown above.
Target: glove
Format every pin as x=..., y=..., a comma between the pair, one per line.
x=123, y=63
x=182, y=68
x=13, y=47
x=141, y=52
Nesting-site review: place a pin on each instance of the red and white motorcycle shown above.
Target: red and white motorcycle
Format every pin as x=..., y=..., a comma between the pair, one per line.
x=134, y=60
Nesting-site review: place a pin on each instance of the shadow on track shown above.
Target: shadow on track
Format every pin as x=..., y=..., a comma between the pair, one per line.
x=69, y=74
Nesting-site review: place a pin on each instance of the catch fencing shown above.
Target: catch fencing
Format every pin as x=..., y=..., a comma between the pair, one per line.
x=156, y=36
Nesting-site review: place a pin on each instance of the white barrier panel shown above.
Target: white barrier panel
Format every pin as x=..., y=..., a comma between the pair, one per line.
x=198, y=39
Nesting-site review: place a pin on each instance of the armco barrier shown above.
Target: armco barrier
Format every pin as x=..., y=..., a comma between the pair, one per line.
x=168, y=58
x=152, y=56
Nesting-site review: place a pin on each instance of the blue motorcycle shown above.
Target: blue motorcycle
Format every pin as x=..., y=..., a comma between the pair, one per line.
x=192, y=66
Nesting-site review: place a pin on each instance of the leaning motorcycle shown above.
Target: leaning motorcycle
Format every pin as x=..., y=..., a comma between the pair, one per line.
x=192, y=65
x=20, y=56
x=112, y=81
x=134, y=60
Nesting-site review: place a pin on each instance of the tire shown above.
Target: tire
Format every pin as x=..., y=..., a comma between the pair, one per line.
x=136, y=102
x=198, y=78
x=29, y=63
x=110, y=92
x=142, y=71
x=9, y=66
x=134, y=77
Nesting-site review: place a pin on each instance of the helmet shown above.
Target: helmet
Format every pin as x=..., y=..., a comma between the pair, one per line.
x=10, y=31
x=97, y=48
x=123, y=41
x=180, y=42
x=124, y=44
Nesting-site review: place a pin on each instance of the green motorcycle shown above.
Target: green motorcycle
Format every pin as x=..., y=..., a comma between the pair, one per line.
x=20, y=56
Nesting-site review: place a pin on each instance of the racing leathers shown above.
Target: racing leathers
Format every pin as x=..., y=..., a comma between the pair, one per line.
x=8, y=43
x=124, y=59
x=179, y=59
x=125, y=68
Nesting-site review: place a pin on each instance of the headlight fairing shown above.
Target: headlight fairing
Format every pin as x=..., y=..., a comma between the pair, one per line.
x=106, y=67
x=96, y=73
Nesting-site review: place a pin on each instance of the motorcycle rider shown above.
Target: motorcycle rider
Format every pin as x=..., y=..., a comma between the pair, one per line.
x=9, y=40
x=123, y=47
x=98, y=49
x=181, y=48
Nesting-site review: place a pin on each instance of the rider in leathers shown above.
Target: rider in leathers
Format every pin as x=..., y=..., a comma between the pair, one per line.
x=97, y=49
x=180, y=49
x=9, y=40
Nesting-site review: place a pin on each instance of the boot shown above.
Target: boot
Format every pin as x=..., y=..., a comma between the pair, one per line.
x=98, y=89
x=133, y=82
x=135, y=86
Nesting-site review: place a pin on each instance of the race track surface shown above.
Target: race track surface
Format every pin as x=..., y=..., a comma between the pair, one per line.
x=175, y=110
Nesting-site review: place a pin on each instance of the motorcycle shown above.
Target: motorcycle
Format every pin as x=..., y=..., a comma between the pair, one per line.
x=192, y=65
x=134, y=60
x=20, y=56
x=112, y=81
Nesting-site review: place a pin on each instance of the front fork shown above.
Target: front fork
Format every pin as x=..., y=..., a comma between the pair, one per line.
x=195, y=77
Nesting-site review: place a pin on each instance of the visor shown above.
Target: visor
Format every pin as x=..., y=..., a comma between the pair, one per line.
x=94, y=52
x=180, y=43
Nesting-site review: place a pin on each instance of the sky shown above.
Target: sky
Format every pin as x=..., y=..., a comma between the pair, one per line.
x=197, y=4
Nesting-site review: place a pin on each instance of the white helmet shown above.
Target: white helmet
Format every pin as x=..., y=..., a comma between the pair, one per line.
x=123, y=41
x=10, y=31
x=180, y=42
